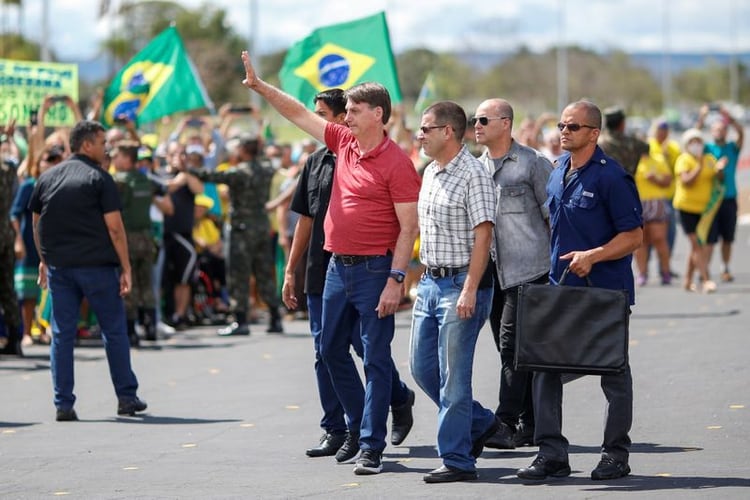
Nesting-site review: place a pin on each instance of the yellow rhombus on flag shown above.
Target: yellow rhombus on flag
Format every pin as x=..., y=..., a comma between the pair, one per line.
x=341, y=56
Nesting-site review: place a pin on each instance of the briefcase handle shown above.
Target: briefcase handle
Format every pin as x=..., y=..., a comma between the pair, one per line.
x=565, y=275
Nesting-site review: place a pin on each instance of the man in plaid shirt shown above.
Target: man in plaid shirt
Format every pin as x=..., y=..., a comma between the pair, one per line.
x=456, y=219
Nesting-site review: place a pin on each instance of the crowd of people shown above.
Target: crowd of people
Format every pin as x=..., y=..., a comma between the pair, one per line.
x=133, y=236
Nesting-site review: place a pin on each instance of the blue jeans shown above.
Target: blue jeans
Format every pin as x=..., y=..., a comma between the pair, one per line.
x=441, y=360
x=101, y=286
x=333, y=412
x=354, y=291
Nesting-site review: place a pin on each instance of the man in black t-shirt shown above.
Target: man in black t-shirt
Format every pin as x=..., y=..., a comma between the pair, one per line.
x=179, y=249
x=80, y=238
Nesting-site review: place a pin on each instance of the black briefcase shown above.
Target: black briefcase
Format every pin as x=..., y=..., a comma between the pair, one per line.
x=572, y=329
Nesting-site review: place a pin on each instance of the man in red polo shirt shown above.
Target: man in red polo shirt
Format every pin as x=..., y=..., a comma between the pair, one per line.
x=370, y=228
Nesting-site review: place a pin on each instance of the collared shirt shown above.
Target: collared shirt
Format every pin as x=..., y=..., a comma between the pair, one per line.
x=599, y=201
x=452, y=202
x=72, y=199
x=310, y=199
x=361, y=218
x=521, y=236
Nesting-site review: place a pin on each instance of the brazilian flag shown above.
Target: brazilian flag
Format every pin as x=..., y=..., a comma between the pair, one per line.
x=158, y=81
x=341, y=55
x=426, y=94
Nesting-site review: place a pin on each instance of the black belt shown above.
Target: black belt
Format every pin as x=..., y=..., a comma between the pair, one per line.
x=351, y=260
x=445, y=272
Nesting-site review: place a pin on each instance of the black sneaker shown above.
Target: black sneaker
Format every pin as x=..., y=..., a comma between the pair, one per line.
x=542, y=467
x=369, y=462
x=329, y=445
x=129, y=406
x=66, y=415
x=234, y=329
x=609, y=468
x=349, y=449
x=403, y=420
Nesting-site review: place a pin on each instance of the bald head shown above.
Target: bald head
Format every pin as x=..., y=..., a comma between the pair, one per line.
x=591, y=112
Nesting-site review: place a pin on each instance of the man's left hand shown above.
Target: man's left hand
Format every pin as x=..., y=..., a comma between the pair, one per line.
x=125, y=283
x=390, y=298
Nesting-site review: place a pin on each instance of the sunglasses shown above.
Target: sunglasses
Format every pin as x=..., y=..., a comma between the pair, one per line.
x=484, y=120
x=573, y=127
x=426, y=130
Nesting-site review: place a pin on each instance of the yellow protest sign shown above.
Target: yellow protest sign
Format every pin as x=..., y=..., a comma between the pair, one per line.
x=25, y=84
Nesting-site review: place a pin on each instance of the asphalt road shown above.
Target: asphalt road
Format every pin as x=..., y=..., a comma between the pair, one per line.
x=232, y=417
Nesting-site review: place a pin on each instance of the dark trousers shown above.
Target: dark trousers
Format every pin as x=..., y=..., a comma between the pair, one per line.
x=618, y=415
x=514, y=398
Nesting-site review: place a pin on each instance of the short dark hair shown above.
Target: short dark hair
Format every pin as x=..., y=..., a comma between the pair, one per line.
x=128, y=148
x=374, y=94
x=449, y=113
x=249, y=147
x=83, y=131
x=335, y=99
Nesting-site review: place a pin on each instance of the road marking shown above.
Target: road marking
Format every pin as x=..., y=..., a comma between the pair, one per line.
x=736, y=407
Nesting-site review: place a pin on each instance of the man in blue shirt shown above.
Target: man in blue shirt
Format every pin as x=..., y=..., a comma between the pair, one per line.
x=595, y=218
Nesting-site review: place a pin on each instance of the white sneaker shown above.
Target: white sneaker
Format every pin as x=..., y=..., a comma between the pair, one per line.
x=165, y=329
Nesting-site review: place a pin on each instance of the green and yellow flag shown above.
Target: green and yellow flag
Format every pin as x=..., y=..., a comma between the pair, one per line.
x=341, y=55
x=427, y=94
x=158, y=81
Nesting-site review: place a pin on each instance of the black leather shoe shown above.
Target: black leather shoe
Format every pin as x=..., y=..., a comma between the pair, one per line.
x=403, y=420
x=502, y=439
x=478, y=445
x=66, y=415
x=448, y=474
x=329, y=445
x=524, y=435
x=349, y=449
x=609, y=468
x=234, y=329
x=275, y=326
x=129, y=406
x=541, y=468
x=13, y=348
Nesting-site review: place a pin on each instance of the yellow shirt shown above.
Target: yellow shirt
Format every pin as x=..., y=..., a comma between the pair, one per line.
x=647, y=189
x=205, y=230
x=695, y=197
x=669, y=150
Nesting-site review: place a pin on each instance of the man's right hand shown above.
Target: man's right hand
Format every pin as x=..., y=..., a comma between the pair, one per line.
x=250, y=76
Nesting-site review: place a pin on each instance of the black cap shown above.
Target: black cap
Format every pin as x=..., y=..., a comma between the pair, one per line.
x=613, y=117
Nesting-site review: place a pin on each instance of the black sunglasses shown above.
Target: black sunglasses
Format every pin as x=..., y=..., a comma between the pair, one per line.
x=573, y=127
x=484, y=120
x=425, y=130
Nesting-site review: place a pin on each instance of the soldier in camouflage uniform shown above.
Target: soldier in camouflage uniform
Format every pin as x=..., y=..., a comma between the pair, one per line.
x=8, y=300
x=625, y=148
x=137, y=193
x=249, y=244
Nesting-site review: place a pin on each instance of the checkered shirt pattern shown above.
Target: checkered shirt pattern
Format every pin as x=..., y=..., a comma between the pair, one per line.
x=452, y=202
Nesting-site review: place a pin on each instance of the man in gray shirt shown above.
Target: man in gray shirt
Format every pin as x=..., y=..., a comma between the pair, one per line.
x=521, y=255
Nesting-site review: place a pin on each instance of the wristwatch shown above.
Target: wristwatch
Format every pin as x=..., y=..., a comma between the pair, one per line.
x=397, y=275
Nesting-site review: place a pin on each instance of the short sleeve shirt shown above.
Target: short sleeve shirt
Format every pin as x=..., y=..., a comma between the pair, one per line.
x=599, y=201
x=452, y=202
x=361, y=218
x=71, y=199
